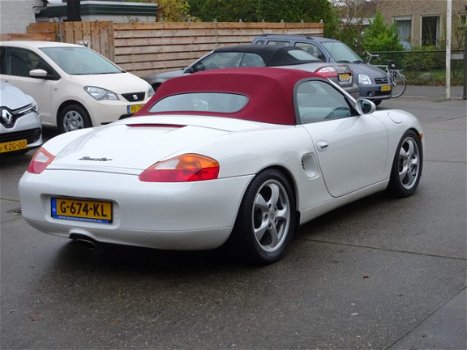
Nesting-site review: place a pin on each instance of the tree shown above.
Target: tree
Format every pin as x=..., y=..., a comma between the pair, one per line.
x=294, y=10
x=266, y=10
x=380, y=37
x=171, y=10
x=224, y=10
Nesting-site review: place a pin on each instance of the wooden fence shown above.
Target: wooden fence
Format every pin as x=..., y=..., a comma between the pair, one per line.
x=144, y=48
x=148, y=47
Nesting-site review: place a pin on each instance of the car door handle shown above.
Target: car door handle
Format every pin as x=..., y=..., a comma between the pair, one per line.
x=322, y=145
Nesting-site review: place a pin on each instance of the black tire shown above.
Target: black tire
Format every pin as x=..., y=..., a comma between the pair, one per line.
x=275, y=214
x=73, y=117
x=407, y=166
x=399, y=84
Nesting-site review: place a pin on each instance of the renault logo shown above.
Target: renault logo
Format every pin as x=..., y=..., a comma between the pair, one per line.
x=7, y=116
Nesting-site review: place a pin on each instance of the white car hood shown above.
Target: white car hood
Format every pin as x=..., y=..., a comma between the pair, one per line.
x=132, y=145
x=126, y=82
x=12, y=97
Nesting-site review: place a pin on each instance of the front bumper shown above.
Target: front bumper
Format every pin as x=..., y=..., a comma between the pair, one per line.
x=105, y=112
x=175, y=216
x=374, y=92
x=27, y=127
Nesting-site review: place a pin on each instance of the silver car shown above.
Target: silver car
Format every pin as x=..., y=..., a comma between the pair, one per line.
x=20, y=124
x=263, y=56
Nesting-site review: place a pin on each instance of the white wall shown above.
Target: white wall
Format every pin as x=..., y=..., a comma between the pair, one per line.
x=16, y=15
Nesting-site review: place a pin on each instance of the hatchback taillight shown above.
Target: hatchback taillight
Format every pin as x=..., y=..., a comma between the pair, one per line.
x=327, y=72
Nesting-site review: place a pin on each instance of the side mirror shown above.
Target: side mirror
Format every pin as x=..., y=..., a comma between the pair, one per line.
x=38, y=73
x=365, y=106
x=188, y=70
x=196, y=67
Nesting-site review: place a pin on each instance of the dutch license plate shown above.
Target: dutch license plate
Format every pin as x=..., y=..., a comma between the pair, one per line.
x=344, y=77
x=385, y=88
x=134, y=108
x=82, y=210
x=13, y=146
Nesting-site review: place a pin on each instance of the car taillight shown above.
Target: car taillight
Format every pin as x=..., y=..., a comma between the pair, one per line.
x=327, y=72
x=186, y=167
x=40, y=161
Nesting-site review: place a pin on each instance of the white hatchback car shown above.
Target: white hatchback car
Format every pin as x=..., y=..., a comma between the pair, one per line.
x=74, y=86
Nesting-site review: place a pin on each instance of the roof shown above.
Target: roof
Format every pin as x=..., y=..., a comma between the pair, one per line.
x=35, y=44
x=271, y=55
x=295, y=37
x=269, y=91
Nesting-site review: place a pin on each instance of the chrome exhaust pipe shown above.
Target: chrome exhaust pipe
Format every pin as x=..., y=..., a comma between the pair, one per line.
x=84, y=241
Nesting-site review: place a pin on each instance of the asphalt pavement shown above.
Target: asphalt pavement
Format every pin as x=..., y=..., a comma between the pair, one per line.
x=446, y=327
x=379, y=273
x=433, y=92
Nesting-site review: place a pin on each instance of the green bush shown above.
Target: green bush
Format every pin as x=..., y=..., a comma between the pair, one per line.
x=425, y=58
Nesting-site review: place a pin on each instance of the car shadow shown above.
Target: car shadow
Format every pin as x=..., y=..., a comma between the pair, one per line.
x=110, y=258
x=346, y=213
x=49, y=132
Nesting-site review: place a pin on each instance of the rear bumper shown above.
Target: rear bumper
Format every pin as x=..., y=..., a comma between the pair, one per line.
x=175, y=216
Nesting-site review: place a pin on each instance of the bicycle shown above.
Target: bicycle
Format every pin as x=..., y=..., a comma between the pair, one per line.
x=395, y=76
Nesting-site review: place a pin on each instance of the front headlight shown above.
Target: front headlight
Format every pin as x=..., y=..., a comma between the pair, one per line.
x=150, y=91
x=364, y=79
x=100, y=93
x=34, y=107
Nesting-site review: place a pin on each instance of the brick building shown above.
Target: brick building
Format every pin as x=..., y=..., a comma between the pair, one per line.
x=423, y=22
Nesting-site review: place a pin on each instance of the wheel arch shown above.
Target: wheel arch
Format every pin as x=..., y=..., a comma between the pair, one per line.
x=291, y=180
x=67, y=103
x=420, y=135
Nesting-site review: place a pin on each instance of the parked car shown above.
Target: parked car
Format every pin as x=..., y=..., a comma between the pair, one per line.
x=262, y=56
x=372, y=82
x=74, y=86
x=230, y=156
x=20, y=124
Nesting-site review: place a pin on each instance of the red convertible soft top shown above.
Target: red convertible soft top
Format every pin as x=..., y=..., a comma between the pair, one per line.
x=269, y=92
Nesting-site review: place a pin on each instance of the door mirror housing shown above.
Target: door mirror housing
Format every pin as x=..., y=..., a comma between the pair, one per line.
x=365, y=106
x=38, y=73
x=195, y=67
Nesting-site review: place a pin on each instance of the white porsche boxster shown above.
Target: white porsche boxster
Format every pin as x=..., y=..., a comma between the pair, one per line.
x=238, y=157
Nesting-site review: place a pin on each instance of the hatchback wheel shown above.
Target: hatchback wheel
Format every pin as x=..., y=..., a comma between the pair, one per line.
x=73, y=117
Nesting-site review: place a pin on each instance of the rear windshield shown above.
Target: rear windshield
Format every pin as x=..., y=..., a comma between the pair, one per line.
x=302, y=55
x=201, y=102
x=80, y=60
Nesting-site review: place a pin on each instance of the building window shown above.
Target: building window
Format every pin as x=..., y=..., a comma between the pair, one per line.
x=462, y=23
x=430, y=31
x=404, y=30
